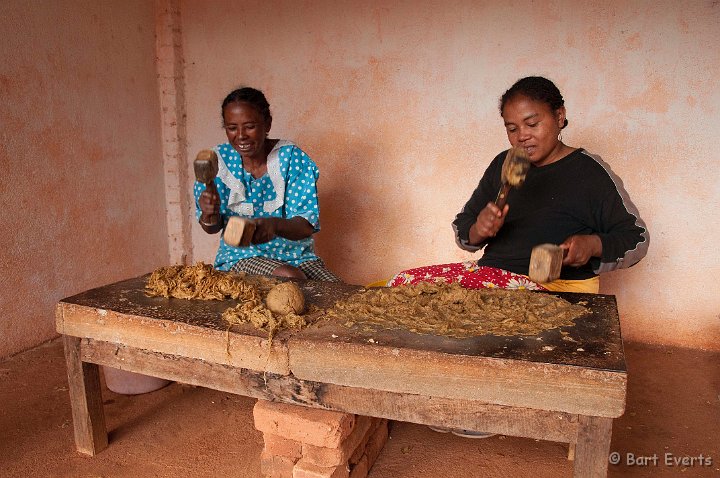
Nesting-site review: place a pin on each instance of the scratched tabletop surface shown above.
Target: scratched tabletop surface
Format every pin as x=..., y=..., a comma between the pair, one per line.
x=593, y=342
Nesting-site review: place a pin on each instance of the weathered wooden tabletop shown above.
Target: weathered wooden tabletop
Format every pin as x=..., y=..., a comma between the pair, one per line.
x=594, y=341
x=562, y=385
x=589, y=357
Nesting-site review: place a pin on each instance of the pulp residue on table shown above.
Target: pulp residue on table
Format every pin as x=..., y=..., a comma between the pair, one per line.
x=424, y=308
x=453, y=311
x=202, y=282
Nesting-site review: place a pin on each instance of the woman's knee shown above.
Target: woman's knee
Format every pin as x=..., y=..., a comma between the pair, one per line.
x=289, y=271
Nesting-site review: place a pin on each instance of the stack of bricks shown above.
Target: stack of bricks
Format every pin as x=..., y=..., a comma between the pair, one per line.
x=303, y=442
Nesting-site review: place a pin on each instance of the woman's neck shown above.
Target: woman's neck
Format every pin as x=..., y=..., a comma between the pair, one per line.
x=560, y=151
x=257, y=165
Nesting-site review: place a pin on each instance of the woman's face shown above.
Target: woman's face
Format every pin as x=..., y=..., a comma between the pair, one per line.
x=246, y=129
x=533, y=126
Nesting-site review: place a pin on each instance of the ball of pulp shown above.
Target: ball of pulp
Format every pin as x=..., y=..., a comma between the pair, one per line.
x=284, y=298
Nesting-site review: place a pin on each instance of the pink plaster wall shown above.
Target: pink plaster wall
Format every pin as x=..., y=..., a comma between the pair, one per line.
x=81, y=172
x=397, y=103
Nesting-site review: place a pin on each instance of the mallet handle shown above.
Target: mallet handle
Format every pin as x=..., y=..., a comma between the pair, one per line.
x=501, y=199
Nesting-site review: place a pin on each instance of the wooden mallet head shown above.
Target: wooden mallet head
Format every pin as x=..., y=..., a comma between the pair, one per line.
x=514, y=169
x=239, y=231
x=545, y=263
x=206, y=166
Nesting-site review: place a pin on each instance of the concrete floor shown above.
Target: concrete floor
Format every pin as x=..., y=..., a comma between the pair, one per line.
x=673, y=408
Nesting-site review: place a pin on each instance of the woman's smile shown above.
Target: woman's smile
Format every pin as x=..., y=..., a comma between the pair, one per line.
x=244, y=147
x=246, y=130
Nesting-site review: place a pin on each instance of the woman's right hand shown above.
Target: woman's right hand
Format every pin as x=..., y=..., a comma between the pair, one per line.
x=209, y=203
x=488, y=223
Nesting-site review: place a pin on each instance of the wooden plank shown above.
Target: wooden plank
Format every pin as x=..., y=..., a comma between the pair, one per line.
x=593, y=447
x=171, y=337
x=453, y=413
x=85, y=400
x=536, y=385
x=437, y=411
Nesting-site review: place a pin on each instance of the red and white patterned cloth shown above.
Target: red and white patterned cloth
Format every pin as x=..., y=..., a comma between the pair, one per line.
x=468, y=274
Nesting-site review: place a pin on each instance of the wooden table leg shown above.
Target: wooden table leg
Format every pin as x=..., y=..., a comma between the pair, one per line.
x=85, y=400
x=593, y=447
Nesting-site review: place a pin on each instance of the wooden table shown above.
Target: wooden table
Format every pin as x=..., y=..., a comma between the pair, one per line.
x=550, y=387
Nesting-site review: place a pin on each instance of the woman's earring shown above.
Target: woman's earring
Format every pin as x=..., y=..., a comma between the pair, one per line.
x=560, y=136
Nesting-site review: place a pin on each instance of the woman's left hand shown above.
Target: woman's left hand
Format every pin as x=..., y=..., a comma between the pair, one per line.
x=265, y=229
x=579, y=249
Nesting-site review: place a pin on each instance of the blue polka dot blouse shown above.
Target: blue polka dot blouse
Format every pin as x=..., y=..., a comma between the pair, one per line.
x=288, y=189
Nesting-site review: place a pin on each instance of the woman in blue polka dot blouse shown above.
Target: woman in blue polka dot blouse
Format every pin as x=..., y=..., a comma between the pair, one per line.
x=271, y=181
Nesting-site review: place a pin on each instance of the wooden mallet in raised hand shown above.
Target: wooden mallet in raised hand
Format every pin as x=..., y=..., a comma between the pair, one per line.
x=514, y=169
x=206, y=168
x=239, y=231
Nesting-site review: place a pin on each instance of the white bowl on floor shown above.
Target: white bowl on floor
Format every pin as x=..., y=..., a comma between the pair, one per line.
x=131, y=383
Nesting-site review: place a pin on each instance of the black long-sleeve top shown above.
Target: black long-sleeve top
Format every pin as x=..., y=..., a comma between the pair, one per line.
x=578, y=194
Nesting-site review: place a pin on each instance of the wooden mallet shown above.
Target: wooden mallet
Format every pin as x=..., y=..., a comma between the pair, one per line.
x=545, y=263
x=239, y=231
x=206, y=168
x=514, y=169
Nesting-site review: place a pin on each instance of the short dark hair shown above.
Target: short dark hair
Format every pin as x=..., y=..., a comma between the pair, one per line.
x=253, y=97
x=536, y=88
